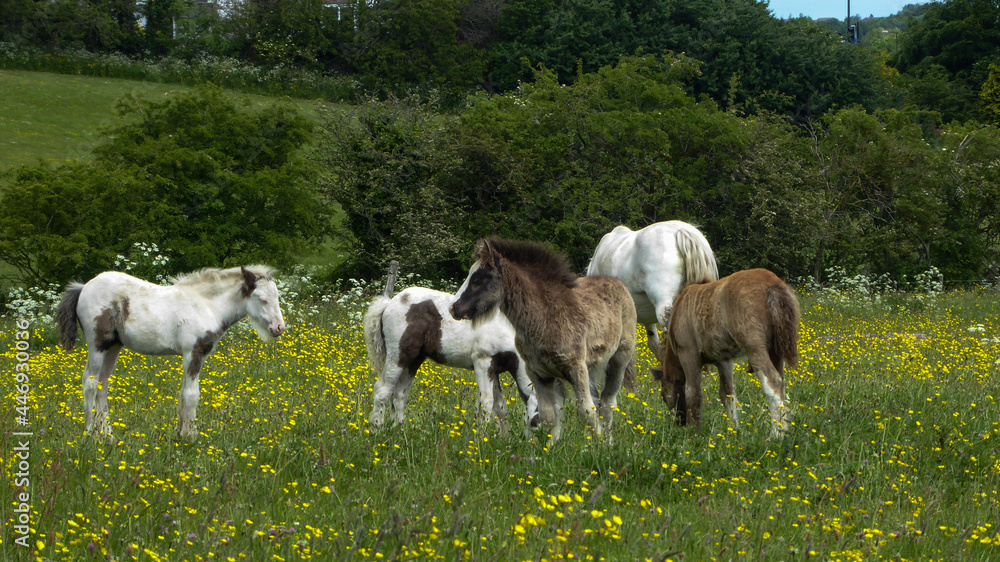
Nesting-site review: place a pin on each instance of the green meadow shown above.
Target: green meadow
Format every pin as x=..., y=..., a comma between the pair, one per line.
x=56, y=117
x=59, y=117
x=892, y=454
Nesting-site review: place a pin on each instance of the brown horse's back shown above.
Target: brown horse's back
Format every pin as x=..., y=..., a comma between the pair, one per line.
x=751, y=313
x=748, y=309
x=608, y=301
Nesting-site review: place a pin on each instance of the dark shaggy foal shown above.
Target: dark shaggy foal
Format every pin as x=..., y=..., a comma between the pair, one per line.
x=581, y=330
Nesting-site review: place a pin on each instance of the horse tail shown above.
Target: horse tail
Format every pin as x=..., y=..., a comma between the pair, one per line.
x=696, y=255
x=374, y=338
x=784, y=310
x=66, y=318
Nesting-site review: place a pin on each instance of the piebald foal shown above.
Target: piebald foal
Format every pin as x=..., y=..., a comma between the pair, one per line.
x=186, y=318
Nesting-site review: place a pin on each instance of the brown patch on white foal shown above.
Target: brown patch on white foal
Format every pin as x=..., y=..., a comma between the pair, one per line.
x=751, y=313
x=422, y=337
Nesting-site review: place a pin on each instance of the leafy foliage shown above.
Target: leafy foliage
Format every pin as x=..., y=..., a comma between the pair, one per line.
x=385, y=167
x=302, y=33
x=952, y=48
x=748, y=58
x=195, y=173
x=415, y=42
x=868, y=192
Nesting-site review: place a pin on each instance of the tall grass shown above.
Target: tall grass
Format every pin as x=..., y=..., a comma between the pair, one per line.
x=892, y=454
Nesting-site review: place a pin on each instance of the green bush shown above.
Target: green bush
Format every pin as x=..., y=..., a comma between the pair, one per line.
x=565, y=164
x=197, y=173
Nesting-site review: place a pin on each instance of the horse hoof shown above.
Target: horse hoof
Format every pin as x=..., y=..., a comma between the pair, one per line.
x=188, y=433
x=534, y=421
x=106, y=436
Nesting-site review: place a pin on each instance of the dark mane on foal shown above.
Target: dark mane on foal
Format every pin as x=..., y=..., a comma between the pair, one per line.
x=542, y=261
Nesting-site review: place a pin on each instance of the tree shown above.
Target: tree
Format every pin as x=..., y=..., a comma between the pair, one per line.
x=560, y=164
x=384, y=167
x=195, y=173
x=303, y=33
x=95, y=25
x=403, y=42
x=989, y=95
x=953, y=44
x=748, y=58
x=881, y=194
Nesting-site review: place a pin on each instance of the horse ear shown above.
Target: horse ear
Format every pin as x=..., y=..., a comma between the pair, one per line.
x=483, y=250
x=249, y=280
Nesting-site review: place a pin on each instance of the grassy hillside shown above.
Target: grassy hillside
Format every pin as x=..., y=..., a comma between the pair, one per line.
x=58, y=117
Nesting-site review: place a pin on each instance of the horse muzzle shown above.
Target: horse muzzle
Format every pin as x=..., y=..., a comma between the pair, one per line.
x=276, y=329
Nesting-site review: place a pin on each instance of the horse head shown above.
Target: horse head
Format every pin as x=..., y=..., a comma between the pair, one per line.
x=482, y=289
x=263, y=304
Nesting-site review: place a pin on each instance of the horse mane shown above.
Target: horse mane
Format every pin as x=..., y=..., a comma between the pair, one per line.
x=213, y=276
x=543, y=262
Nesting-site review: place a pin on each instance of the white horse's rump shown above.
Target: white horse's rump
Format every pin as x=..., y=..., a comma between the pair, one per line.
x=415, y=325
x=655, y=263
x=186, y=318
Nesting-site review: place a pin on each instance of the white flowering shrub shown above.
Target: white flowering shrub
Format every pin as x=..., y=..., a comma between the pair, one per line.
x=866, y=291
x=145, y=261
x=842, y=287
x=36, y=304
x=930, y=282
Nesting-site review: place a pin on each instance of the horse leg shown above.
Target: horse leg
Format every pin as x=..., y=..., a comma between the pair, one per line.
x=549, y=392
x=619, y=363
x=499, y=404
x=727, y=392
x=383, y=392
x=402, y=390
x=489, y=389
x=773, y=383
x=580, y=378
x=187, y=405
x=691, y=365
x=527, y=392
x=91, y=374
x=101, y=423
x=653, y=340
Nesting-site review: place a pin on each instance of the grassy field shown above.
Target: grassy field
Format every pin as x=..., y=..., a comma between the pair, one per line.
x=58, y=117
x=893, y=455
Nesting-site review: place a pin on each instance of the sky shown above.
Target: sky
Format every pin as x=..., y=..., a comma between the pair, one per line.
x=837, y=8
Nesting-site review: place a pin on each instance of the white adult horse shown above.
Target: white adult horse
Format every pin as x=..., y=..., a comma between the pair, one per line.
x=400, y=333
x=655, y=263
x=186, y=318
